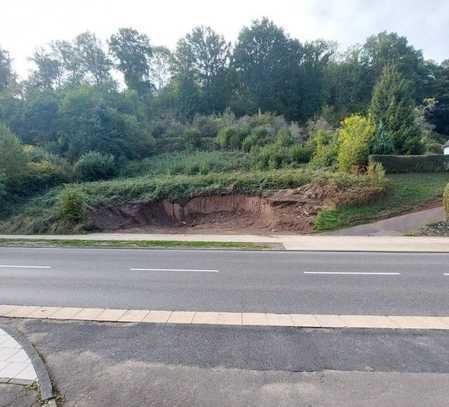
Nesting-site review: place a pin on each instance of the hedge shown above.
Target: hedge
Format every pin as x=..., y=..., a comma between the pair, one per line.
x=394, y=164
x=446, y=200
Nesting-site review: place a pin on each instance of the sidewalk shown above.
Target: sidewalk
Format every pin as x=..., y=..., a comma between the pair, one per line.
x=290, y=242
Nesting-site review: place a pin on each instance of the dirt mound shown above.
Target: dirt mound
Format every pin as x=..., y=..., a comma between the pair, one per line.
x=290, y=210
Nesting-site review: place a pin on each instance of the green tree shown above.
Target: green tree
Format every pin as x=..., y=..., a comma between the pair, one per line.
x=132, y=52
x=354, y=139
x=12, y=156
x=203, y=56
x=7, y=75
x=393, y=107
x=94, y=60
x=267, y=63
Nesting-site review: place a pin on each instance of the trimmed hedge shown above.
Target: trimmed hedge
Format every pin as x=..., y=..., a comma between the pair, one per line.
x=395, y=164
x=446, y=200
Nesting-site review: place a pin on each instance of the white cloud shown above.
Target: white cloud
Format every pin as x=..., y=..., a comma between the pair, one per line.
x=26, y=24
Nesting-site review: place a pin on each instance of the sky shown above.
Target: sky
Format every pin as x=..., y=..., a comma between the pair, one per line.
x=27, y=24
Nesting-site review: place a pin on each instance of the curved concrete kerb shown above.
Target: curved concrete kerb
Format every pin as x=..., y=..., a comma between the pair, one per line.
x=21, y=364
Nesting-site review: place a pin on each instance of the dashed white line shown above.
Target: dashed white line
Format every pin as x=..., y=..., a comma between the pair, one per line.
x=176, y=270
x=350, y=273
x=7, y=266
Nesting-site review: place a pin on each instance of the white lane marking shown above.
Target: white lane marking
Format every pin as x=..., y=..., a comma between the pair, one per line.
x=177, y=270
x=7, y=266
x=446, y=274
x=350, y=273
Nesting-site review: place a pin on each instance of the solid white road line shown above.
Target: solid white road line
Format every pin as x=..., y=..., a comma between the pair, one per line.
x=6, y=266
x=446, y=274
x=349, y=273
x=177, y=270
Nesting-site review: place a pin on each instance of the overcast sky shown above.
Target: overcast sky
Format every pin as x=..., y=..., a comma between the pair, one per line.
x=26, y=24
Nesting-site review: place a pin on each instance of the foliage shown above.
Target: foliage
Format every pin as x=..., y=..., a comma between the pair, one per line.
x=354, y=138
x=393, y=108
x=412, y=163
x=324, y=145
x=194, y=163
x=94, y=166
x=72, y=203
x=230, y=138
x=12, y=156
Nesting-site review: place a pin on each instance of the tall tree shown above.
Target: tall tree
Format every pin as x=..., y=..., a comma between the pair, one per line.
x=7, y=75
x=203, y=57
x=391, y=49
x=94, y=60
x=438, y=113
x=132, y=52
x=393, y=111
x=267, y=62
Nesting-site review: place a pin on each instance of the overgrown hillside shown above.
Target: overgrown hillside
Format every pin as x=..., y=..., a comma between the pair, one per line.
x=270, y=132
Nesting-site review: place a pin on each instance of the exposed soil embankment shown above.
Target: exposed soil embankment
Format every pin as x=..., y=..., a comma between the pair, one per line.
x=290, y=210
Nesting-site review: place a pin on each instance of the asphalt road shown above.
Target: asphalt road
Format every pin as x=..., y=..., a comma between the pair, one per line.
x=236, y=281
x=135, y=365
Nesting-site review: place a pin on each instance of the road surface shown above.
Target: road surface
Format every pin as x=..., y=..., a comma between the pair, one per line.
x=233, y=281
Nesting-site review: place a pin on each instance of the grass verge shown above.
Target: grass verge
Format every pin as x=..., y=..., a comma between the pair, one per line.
x=137, y=244
x=404, y=193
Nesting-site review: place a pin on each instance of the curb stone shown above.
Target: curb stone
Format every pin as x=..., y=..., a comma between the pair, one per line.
x=45, y=385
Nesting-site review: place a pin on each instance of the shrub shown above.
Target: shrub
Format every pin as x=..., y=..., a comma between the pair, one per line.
x=72, y=206
x=229, y=138
x=412, y=163
x=446, y=200
x=192, y=139
x=43, y=175
x=95, y=166
x=12, y=156
x=354, y=138
x=376, y=172
x=258, y=138
x=302, y=153
x=324, y=145
x=284, y=138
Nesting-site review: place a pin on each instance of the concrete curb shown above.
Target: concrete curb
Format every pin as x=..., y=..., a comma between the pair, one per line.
x=45, y=385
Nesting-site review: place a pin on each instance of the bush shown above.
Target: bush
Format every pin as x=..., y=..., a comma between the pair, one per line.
x=258, y=138
x=12, y=157
x=354, y=138
x=324, y=145
x=94, y=166
x=72, y=206
x=302, y=153
x=229, y=138
x=192, y=139
x=446, y=200
x=412, y=163
x=41, y=176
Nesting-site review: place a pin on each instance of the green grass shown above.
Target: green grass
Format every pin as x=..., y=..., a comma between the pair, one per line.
x=136, y=244
x=193, y=163
x=43, y=215
x=404, y=193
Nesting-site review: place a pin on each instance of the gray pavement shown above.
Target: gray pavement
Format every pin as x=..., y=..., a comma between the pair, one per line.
x=106, y=365
x=15, y=395
x=212, y=280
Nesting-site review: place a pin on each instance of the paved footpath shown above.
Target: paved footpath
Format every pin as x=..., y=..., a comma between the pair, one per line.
x=289, y=242
x=17, y=374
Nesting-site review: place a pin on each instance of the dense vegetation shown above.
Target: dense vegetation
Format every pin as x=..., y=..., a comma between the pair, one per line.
x=208, y=115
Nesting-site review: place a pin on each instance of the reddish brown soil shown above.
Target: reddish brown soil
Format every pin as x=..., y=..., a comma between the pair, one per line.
x=292, y=210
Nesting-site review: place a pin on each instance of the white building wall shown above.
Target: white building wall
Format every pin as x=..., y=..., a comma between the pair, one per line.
x=446, y=150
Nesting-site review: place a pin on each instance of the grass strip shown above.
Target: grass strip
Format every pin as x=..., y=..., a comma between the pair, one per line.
x=137, y=244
